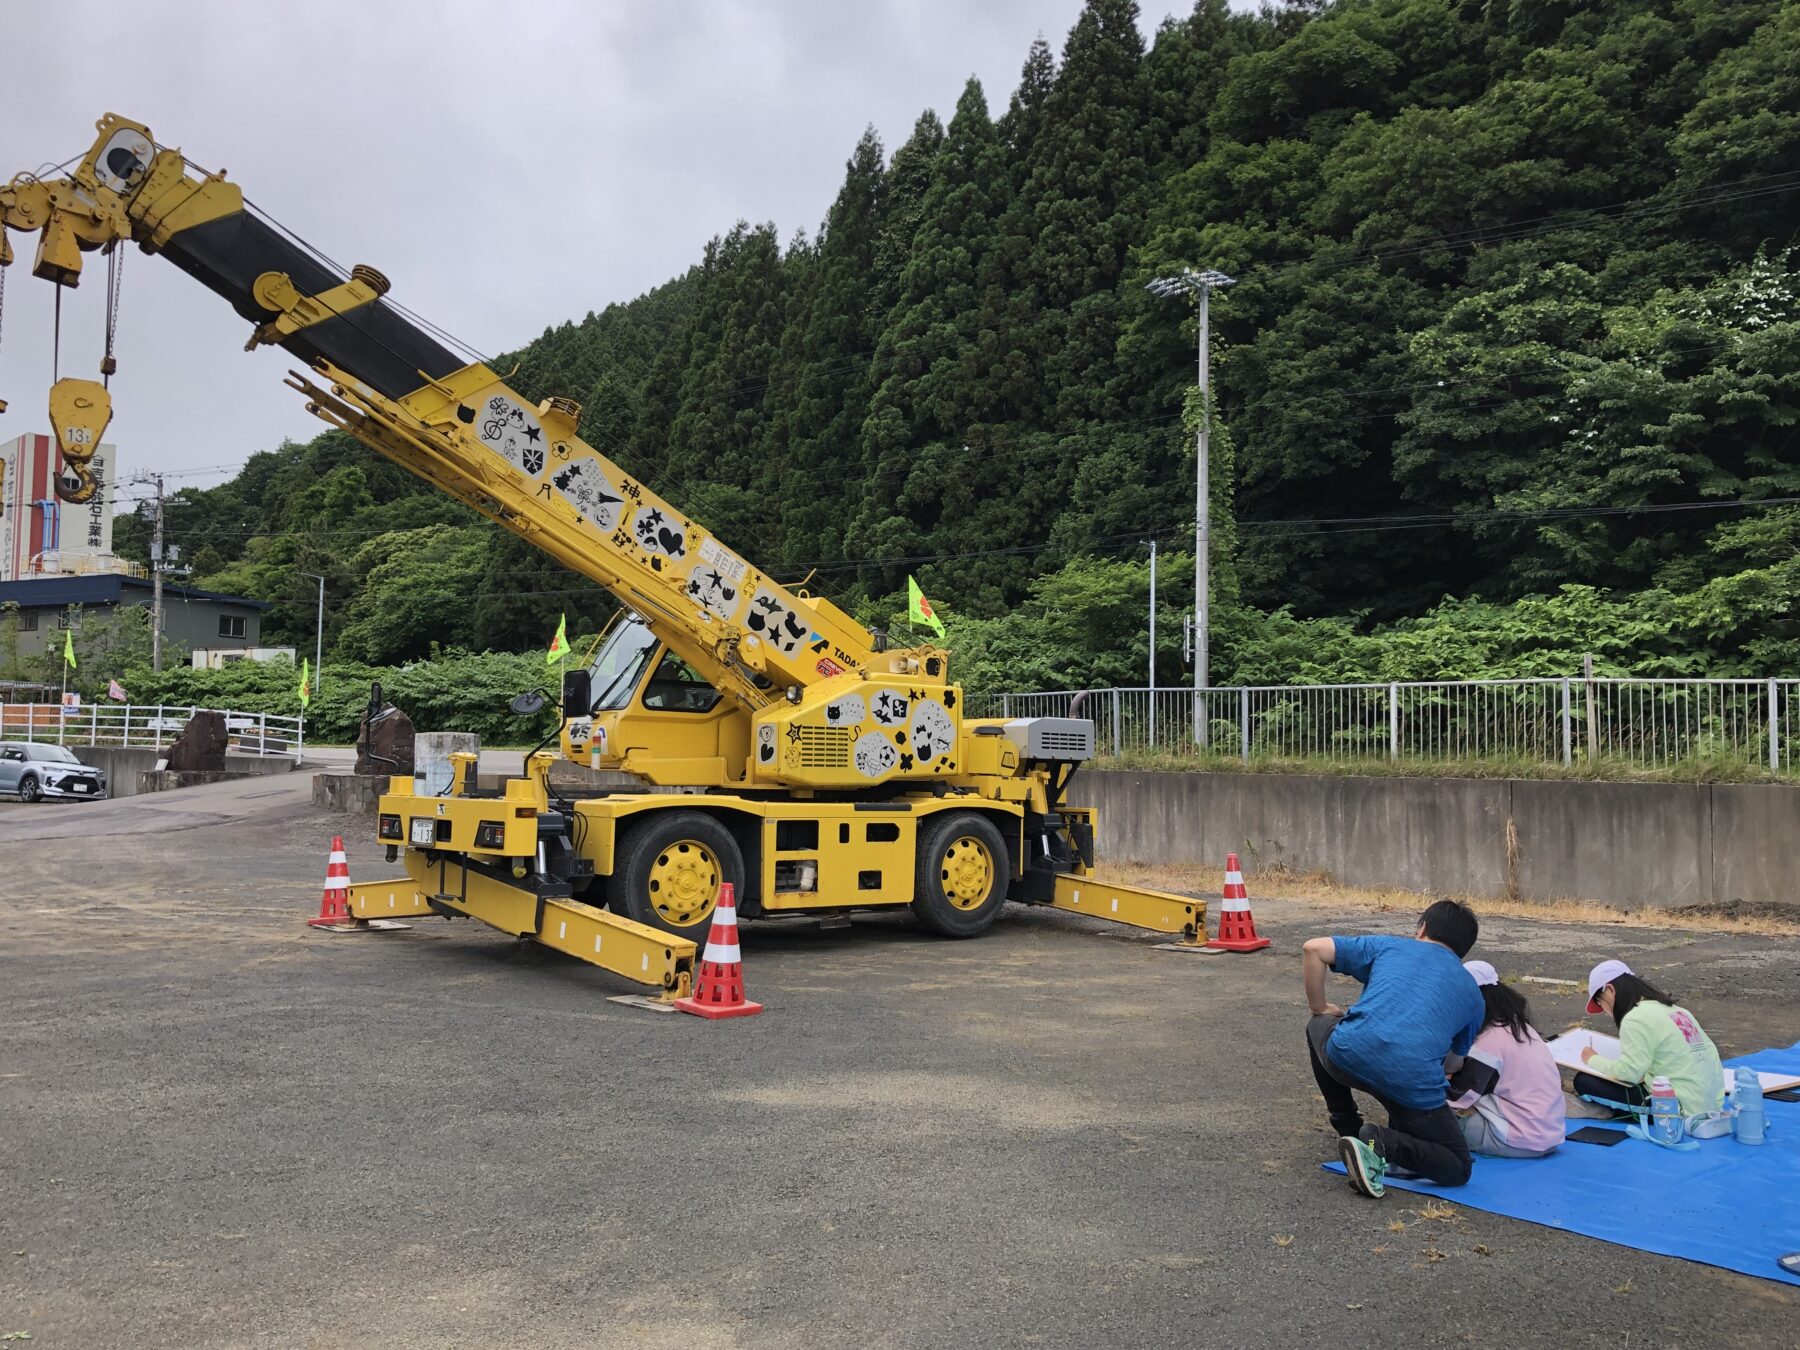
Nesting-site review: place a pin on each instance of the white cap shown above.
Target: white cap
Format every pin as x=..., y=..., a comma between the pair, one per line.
x=1601, y=976
x=1484, y=973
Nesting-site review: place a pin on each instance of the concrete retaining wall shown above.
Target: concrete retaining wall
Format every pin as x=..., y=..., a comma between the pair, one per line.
x=122, y=766
x=1626, y=844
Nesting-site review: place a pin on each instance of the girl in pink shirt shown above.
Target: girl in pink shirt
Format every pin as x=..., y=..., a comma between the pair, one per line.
x=1508, y=1093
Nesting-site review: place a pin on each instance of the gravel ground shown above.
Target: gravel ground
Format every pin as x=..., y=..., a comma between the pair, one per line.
x=218, y=1127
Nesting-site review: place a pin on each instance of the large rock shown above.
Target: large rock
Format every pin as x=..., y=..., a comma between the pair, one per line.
x=201, y=746
x=384, y=744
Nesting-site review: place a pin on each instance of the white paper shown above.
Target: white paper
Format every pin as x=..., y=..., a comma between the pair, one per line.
x=1566, y=1049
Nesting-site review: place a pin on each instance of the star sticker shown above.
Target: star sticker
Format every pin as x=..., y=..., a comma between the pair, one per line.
x=915, y=695
x=532, y=433
x=794, y=734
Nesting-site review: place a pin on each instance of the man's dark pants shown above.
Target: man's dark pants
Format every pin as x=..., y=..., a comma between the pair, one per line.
x=1427, y=1142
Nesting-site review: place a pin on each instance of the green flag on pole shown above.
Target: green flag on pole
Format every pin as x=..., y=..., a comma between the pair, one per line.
x=559, y=645
x=306, y=682
x=69, y=647
x=919, y=610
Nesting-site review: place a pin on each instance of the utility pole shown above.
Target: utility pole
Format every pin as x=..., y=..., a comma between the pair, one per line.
x=1201, y=286
x=1153, y=643
x=156, y=576
x=319, y=634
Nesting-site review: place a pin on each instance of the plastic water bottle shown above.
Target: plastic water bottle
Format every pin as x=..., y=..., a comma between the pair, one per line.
x=1748, y=1118
x=1665, y=1112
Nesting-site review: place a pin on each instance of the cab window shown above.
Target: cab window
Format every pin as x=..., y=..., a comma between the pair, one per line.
x=674, y=687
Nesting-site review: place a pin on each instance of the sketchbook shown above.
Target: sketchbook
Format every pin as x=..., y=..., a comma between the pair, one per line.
x=1566, y=1050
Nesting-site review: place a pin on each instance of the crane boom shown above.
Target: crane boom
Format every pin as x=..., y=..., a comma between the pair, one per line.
x=396, y=384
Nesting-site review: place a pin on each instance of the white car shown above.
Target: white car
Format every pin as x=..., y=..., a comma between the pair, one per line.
x=33, y=771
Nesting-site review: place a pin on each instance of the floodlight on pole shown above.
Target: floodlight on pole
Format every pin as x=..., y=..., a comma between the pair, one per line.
x=1199, y=284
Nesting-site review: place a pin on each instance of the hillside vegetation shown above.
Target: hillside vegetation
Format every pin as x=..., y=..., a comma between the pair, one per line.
x=1510, y=372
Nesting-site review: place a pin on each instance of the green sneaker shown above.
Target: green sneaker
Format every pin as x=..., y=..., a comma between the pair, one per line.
x=1363, y=1166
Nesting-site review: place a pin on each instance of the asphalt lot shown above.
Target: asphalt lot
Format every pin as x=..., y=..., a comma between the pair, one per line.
x=218, y=1127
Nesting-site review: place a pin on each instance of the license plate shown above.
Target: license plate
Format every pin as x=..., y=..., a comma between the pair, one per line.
x=424, y=830
x=79, y=787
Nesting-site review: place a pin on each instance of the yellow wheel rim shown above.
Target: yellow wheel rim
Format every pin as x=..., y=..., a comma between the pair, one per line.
x=684, y=883
x=968, y=872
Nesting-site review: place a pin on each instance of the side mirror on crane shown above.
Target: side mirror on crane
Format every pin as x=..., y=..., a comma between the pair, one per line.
x=577, y=693
x=527, y=703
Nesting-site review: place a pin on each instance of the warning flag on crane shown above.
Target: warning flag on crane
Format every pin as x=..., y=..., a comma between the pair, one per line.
x=306, y=682
x=559, y=645
x=69, y=647
x=919, y=609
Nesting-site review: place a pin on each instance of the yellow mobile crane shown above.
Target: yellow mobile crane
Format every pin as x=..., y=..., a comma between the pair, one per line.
x=831, y=772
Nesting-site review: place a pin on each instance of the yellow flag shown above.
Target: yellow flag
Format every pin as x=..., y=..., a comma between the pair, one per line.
x=559, y=645
x=306, y=682
x=69, y=647
x=919, y=609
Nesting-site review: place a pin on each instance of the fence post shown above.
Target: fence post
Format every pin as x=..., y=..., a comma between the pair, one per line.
x=1774, y=730
x=94, y=724
x=1115, y=720
x=1568, y=728
x=1006, y=705
x=1393, y=720
x=1587, y=699
x=262, y=733
x=125, y=732
x=1244, y=724
x=159, y=725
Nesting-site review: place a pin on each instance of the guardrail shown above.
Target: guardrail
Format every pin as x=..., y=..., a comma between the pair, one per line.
x=1635, y=723
x=148, y=726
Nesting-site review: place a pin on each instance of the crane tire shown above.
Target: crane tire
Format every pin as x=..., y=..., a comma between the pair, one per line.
x=672, y=864
x=962, y=874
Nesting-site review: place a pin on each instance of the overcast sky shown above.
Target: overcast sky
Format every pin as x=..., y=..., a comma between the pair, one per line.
x=508, y=166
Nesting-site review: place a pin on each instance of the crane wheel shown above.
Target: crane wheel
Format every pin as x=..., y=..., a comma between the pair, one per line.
x=960, y=883
x=672, y=865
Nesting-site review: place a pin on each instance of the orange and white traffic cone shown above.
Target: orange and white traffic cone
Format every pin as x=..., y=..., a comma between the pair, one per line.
x=1237, y=929
x=719, y=991
x=334, y=905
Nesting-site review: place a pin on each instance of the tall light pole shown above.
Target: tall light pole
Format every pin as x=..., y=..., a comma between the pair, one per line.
x=1200, y=285
x=319, y=638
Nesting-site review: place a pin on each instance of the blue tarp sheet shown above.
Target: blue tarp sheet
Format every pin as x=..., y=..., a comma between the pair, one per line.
x=1724, y=1204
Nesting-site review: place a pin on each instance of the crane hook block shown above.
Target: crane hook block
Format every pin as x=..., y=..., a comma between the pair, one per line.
x=79, y=412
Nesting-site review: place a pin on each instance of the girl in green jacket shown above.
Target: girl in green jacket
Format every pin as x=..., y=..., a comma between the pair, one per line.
x=1657, y=1039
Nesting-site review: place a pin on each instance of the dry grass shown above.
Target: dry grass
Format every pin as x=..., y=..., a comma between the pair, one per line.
x=1436, y=1209
x=1283, y=883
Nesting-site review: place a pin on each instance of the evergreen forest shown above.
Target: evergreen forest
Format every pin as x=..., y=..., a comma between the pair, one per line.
x=1509, y=373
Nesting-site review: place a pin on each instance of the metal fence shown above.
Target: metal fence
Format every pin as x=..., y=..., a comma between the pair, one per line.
x=147, y=726
x=1633, y=723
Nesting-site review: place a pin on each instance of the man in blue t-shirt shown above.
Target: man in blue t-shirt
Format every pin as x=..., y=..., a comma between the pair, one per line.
x=1418, y=1006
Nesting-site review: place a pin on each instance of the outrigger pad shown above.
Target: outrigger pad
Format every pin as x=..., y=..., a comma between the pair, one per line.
x=363, y=926
x=645, y=1001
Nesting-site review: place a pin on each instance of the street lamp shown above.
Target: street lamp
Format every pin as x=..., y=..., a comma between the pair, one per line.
x=1200, y=285
x=319, y=639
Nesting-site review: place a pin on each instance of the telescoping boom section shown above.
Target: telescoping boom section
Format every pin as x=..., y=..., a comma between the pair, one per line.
x=821, y=769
